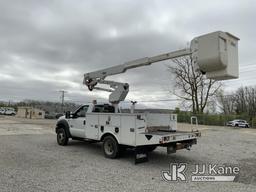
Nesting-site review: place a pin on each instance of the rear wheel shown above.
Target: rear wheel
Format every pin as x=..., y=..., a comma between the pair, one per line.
x=110, y=147
x=62, y=138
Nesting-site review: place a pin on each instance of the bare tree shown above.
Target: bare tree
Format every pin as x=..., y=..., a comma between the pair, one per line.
x=240, y=102
x=227, y=103
x=246, y=101
x=192, y=86
x=251, y=100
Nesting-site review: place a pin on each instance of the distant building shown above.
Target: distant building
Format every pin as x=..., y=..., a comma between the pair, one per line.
x=30, y=113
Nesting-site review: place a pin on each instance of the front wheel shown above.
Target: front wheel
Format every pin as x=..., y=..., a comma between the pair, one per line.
x=62, y=138
x=110, y=147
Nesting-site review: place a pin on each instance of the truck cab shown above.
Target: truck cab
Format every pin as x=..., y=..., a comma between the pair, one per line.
x=85, y=118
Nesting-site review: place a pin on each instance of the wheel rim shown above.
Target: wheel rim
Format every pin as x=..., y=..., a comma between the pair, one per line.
x=61, y=137
x=109, y=147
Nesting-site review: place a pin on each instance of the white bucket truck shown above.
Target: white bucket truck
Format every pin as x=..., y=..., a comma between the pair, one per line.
x=214, y=54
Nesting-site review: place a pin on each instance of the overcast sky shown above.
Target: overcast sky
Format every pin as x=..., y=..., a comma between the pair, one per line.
x=47, y=46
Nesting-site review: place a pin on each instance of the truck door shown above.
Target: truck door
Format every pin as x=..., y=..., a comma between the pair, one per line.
x=92, y=126
x=78, y=121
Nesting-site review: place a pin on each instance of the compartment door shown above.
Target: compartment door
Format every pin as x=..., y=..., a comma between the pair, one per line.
x=128, y=130
x=92, y=126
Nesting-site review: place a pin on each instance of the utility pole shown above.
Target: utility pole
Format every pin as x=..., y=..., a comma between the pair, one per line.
x=62, y=99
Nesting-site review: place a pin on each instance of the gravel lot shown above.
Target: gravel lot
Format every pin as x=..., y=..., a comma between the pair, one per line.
x=31, y=160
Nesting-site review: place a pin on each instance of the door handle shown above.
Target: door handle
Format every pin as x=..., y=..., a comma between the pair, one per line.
x=84, y=122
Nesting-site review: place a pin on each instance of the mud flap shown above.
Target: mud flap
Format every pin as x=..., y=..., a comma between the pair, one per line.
x=171, y=149
x=140, y=155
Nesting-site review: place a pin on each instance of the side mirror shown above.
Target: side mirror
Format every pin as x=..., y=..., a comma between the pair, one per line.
x=68, y=115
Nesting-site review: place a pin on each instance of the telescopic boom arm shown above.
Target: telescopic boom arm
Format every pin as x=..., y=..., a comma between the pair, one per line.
x=135, y=63
x=120, y=90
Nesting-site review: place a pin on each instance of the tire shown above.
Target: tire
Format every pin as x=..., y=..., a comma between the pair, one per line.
x=236, y=125
x=62, y=138
x=246, y=126
x=110, y=147
x=151, y=148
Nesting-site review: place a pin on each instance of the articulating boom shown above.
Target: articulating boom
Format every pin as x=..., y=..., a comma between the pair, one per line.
x=120, y=90
x=215, y=54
